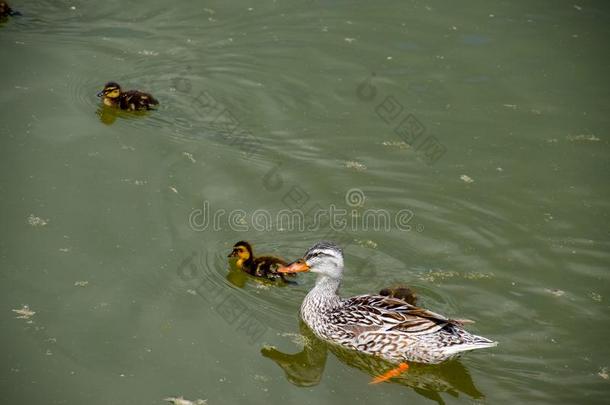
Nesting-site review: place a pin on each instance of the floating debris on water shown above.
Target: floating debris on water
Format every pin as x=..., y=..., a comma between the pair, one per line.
x=366, y=243
x=263, y=378
x=189, y=156
x=350, y=40
x=583, y=138
x=181, y=401
x=136, y=181
x=148, y=53
x=555, y=291
x=24, y=312
x=64, y=250
x=437, y=275
x=603, y=373
x=37, y=221
x=352, y=164
x=192, y=292
x=476, y=275
x=595, y=296
x=81, y=283
x=101, y=305
x=396, y=144
x=295, y=338
x=466, y=179
x=433, y=275
x=173, y=189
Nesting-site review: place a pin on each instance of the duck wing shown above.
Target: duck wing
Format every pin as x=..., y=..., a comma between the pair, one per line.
x=137, y=100
x=380, y=313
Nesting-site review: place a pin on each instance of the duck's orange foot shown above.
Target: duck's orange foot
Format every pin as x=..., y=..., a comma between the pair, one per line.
x=395, y=372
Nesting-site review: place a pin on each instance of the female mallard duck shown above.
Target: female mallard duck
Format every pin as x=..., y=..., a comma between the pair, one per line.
x=382, y=326
x=132, y=100
x=262, y=266
x=6, y=11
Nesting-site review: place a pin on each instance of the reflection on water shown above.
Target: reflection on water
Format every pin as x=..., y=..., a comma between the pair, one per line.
x=108, y=115
x=305, y=369
x=239, y=278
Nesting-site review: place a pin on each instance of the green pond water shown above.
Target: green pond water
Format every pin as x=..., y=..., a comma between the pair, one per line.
x=464, y=147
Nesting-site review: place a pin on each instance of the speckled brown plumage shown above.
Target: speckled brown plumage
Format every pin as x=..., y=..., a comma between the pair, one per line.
x=373, y=324
x=134, y=100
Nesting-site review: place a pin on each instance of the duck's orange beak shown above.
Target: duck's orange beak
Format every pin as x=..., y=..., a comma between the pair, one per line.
x=294, y=267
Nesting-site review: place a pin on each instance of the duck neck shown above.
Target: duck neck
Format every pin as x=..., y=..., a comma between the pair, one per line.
x=325, y=290
x=110, y=102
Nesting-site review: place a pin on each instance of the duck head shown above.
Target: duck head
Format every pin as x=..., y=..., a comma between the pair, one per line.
x=110, y=93
x=242, y=250
x=324, y=258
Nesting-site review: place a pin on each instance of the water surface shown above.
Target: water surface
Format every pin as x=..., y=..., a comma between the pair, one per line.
x=488, y=122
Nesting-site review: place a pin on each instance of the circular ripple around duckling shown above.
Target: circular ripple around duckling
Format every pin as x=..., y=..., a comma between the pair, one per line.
x=82, y=90
x=259, y=301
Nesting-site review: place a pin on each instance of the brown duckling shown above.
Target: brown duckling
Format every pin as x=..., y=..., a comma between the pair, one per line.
x=402, y=292
x=6, y=11
x=262, y=266
x=132, y=100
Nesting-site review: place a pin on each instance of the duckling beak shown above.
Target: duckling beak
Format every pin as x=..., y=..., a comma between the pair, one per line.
x=233, y=253
x=100, y=94
x=294, y=267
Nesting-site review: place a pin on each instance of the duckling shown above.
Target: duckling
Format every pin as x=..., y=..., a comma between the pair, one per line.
x=401, y=292
x=6, y=11
x=132, y=100
x=262, y=266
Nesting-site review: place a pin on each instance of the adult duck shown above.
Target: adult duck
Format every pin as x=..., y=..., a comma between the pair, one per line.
x=373, y=324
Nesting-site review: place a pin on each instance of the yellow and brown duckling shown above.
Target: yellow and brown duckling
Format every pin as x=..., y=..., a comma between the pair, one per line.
x=262, y=266
x=6, y=11
x=132, y=100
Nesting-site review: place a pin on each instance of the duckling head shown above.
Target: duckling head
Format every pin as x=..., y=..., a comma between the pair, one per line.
x=242, y=251
x=324, y=258
x=110, y=93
